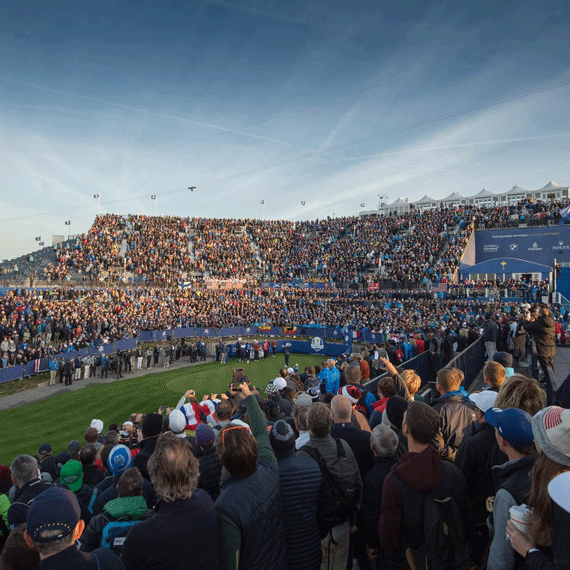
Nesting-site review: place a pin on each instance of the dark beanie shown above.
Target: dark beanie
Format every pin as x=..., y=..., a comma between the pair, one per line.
x=152, y=425
x=503, y=358
x=282, y=438
x=395, y=409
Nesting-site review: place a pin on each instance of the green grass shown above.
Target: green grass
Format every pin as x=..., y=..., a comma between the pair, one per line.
x=59, y=419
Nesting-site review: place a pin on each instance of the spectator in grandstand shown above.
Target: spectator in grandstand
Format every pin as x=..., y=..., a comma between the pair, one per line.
x=456, y=412
x=490, y=333
x=494, y=375
x=26, y=477
x=91, y=473
x=47, y=461
x=335, y=545
x=17, y=554
x=53, y=527
x=182, y=533
x=383, y=442
x=299, y=486
x=393, y=417
x=385, y=390
x=71, y=475
x=546, y=545
x=523, y=393
x=353, y=377
x=209, y=462
x=300, y=413
x=128, y=508
x=250, y=525
x=419, y=472
x=151, y=429
x=515, y=438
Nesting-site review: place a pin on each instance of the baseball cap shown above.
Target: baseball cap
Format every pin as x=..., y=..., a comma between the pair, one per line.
x=55, y=508
x=559, y=490
x=74, y=446
x=120, y=459
x=484, y=400
x=280, y=383
x=513, y=425
x=44, y=448
x=290, y=370
x=71, y=475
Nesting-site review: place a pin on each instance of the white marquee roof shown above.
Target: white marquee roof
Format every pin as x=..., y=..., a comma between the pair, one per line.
x=425, y=200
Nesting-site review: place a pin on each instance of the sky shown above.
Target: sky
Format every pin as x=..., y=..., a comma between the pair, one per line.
x=330, y=103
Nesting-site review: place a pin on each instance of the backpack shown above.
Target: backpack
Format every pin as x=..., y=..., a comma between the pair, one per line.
x=337, y=496
x=446, y=543
x=114, y=535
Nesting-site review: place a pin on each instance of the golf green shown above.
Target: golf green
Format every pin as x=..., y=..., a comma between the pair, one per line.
x=61, y=418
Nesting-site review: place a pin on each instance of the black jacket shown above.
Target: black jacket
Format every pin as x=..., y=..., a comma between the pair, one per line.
x=100, y=559
x=490, y=331
x=544, y=332
x=473, y=459
x=457, y=416
x=181, y=534
x=147, y=446
x=359, y=442
x=372, y=498
x=92, y=475
x=210, y=472
x=18, y=511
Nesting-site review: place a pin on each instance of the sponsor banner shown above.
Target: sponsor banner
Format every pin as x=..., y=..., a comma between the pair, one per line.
x=539, y=245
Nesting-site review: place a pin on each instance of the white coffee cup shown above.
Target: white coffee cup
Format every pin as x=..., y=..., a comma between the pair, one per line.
x=520, y=517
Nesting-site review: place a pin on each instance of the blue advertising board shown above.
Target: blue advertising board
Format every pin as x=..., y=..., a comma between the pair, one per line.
x=541, y=245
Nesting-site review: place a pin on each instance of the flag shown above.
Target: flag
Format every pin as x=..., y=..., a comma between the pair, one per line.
x=302, y=203
x=95, y=195
x=42, y=242
x=153, y=197
x=262, y=202
x=290, y=330
x=37, y=365
x=39, y=238
x=68, y=223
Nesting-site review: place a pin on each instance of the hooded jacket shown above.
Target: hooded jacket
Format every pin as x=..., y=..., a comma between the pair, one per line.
x=120, y=509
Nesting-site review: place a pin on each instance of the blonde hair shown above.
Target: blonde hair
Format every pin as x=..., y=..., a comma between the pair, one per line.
x=521, y=392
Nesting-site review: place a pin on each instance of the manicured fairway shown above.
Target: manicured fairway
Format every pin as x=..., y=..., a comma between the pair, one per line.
x=60, y=419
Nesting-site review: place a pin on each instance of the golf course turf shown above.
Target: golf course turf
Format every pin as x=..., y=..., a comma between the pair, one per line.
x=61, y=418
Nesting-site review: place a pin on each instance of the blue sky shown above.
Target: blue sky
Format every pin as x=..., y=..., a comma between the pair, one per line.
x=331, y=103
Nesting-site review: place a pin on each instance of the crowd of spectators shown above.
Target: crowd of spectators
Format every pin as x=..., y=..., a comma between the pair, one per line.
x=411, y=247
x=245, y=479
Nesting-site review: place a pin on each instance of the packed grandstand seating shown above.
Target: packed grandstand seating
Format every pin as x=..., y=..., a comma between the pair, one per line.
x=126, y=275
x=407, y=248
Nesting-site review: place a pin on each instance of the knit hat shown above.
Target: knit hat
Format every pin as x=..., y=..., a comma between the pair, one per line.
x=97, y=424
x=204, y=435
x=395, y=409
x=551, y=429
x=176, y=421
x=282, y=437
x=503, y=358
x=484, y=400
x=54, y=509
x=304, y=400
x=271, y=390
x=120, y=459
x=44, y=449
x=71, y=475
x=559, y=490
x=74, y=446
x=353, y=393
x=280, y=383
x=152, y=425
x=513, y=425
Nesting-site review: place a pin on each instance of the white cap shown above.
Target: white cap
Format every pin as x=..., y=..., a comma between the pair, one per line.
x=484, y=400
x=280, y=383
x=290, y=370
x=176, y=421
x=129, y=423
x=97, y=424
x=559, y=490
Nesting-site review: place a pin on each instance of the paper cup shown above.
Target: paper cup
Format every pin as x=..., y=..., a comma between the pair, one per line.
x=520, y=517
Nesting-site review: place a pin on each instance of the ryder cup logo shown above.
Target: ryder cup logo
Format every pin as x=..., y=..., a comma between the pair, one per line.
x=317, y=344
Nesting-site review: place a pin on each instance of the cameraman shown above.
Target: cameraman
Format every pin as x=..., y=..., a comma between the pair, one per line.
x=543, y=330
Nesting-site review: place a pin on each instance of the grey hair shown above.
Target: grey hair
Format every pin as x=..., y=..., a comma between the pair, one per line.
x=24, y=468
x=384, y=440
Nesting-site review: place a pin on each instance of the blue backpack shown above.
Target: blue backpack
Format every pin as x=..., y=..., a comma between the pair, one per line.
x=114, y=535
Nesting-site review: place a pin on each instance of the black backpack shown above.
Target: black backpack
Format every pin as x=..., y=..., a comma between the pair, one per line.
x=446, y=543
x=337, y=497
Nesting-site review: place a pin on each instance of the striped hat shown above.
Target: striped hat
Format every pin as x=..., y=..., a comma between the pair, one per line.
x=551, y=429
